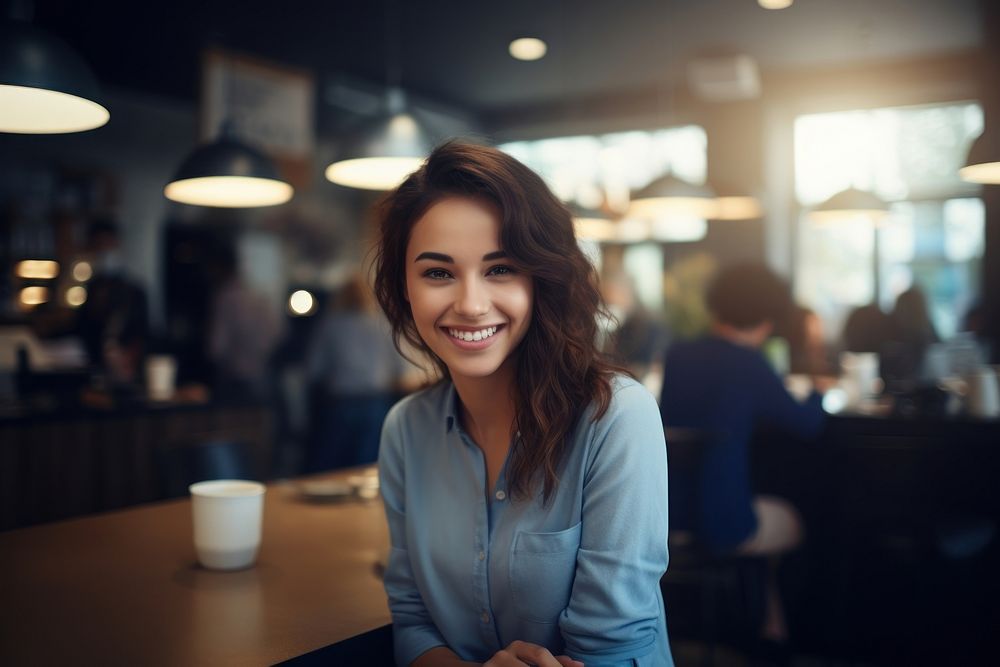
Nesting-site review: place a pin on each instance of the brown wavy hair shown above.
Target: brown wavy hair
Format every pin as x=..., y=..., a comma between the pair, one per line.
x=559, y=371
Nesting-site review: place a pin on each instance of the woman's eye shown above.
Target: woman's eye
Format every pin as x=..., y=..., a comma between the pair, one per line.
x=501, y=270
x=437, y=274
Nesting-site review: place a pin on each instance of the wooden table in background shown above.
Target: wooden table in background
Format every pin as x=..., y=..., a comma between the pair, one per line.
x=124, y=588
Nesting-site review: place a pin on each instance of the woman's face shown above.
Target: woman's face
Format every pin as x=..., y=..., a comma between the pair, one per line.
x=470, y=306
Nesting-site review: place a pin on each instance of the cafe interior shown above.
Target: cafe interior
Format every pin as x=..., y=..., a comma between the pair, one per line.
x=187, y=198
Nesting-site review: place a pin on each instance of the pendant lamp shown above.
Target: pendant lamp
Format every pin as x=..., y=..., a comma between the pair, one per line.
x=45, y=87
x=227, y=173
x=851, y=203
x=735, y=204
x=671, y=196
x=983, y=162
x=857, y=205
x=384, y=150
x=590, y=224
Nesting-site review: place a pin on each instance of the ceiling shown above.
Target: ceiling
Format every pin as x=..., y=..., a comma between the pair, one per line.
x=454, y=51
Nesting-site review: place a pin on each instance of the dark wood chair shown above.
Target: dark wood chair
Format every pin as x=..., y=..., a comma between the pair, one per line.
x=724, y=585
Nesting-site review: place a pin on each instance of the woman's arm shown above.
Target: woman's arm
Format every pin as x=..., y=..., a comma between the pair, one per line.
x=778, y=408
x=614, y=613
x=414, y=632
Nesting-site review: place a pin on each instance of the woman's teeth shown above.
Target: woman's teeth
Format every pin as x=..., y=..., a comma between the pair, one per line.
x=469, y=336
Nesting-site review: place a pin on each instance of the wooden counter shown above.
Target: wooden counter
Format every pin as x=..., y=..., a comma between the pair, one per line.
x=65, y=464
x=124, y=588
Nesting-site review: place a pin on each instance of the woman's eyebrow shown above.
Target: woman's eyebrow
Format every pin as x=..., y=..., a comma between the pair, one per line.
x=441, y=257
x=436, y=256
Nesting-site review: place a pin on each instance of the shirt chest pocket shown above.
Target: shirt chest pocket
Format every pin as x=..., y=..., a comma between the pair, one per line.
x=542, y=567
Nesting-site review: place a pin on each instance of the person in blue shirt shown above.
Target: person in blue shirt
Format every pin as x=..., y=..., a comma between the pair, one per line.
x=526, y=493
x=722, y=385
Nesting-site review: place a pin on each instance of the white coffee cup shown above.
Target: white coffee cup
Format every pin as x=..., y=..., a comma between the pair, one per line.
x=161, y=372
x=227, y=522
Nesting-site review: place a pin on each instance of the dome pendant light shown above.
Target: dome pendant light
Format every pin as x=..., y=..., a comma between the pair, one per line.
x=851, y=203
x=670, y=196
x=45, y=87
x=390, y=147
x=591, y=224
x=228, y=174
x=384, y=151
x=735, y=204
x=983, y=162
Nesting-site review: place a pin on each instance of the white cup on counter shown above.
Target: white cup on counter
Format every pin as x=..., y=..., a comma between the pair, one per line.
x=228, y=514
x=161, y=374
x=859, y=376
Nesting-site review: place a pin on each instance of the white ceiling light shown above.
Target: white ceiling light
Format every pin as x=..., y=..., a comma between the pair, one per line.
x=227, y=173
x=592, y=224
x=45, y=87
x=384, y=151
x=983, y=162
x=775, y=4
x=733, y=203
x=528, y=48
x=848, y=204
x=670, y=196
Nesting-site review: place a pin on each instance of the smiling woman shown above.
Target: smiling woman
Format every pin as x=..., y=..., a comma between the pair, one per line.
x=526, y=492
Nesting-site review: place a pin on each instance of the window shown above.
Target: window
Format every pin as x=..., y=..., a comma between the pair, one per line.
x=600, y=171
x=909, y=156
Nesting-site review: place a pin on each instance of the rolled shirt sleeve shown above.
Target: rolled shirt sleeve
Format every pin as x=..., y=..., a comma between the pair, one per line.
x=615, y=612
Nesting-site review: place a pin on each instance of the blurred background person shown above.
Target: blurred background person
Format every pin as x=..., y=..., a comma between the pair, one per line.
x=909, y=336
x=355, y=372
x=243, y=331
x=113, y=322
x=866, y=329
x=802, y=329
x=721, y=385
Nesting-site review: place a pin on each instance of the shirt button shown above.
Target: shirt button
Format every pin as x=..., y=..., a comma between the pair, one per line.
x=485, y=618
x=501, y=495
x=482, y=555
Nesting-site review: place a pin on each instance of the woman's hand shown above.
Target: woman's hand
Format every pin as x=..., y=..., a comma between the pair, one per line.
x=525, y=653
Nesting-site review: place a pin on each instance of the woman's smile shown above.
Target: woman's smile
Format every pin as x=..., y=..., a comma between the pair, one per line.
x=473, y=339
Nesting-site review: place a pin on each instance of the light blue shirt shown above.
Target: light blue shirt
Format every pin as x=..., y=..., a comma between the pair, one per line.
x=579, y=575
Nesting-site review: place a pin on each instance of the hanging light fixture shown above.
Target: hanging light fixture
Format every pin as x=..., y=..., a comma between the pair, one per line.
x=590, y=224
x=384, y=151
x=387, y=149
x=983, y=163
x=227, y=173
x=45, y=87
x=734, y=204
x=669, y=196
x=851, y=203
x=851, y=206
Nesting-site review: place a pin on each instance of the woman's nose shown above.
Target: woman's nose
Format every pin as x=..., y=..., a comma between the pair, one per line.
x=473, y=301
